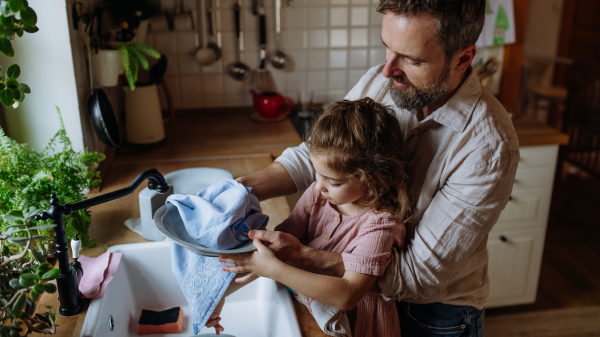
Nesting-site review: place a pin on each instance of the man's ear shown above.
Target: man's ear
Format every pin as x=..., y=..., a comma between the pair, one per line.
x=464, y=57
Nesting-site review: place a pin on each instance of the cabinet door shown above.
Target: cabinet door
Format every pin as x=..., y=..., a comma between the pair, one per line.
x=515, y=258
x=526, y=208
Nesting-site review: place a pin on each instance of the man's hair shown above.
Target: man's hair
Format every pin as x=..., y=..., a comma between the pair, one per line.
x=363, y=139
x=459, y=22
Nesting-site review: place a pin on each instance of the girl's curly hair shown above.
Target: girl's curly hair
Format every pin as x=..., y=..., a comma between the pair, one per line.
x=363, y=138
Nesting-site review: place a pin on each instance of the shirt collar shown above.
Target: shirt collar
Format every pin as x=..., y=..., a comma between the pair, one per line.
x=457, y=111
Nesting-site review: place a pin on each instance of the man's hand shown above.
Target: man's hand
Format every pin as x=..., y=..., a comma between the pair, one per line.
x=286, y=247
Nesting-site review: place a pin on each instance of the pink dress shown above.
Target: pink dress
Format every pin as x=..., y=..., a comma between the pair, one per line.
x=365, y=241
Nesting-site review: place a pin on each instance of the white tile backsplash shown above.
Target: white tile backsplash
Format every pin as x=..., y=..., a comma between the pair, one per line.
x=359, y=16
x=338, y=38
x=359, y=37
x=338, y=16
x=330, y=45
x=318, y=38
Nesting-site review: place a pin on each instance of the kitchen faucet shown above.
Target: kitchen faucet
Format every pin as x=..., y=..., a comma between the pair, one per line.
x=70, y=275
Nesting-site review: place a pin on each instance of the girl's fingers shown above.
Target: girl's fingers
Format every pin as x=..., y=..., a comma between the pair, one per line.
x=236, y=269
x=258, y=244
x=232, y=261
x=246, y=278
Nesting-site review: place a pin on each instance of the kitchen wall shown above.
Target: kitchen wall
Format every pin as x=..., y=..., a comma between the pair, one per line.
x=332, y=44
x=47, y=67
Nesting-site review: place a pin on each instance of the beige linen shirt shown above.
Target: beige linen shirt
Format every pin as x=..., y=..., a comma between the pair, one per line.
x=462, y=161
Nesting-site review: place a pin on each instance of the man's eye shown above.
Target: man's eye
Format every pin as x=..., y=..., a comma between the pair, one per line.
x=336, y=185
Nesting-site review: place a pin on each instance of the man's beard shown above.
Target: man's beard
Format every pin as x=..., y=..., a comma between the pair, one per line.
x=412, y=97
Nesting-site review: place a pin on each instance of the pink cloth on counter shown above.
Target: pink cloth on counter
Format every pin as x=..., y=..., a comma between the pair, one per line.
x=97, y=273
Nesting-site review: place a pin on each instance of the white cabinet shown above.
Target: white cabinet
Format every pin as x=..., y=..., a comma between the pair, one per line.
x=516, y=243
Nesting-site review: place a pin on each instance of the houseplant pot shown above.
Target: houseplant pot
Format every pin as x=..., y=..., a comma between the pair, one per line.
x=107, y=66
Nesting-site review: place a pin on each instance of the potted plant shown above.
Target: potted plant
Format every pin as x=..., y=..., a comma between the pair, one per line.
x=27, y=179
x=25, y=270
x=16, y=18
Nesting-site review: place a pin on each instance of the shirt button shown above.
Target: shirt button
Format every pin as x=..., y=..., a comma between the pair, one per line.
x=463, y=326
x=327, y=236
x=335, y=218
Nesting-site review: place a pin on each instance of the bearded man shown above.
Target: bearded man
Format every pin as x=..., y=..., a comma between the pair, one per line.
x=462, y=154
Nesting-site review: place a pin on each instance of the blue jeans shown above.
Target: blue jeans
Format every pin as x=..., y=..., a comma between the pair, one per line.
x=437, y=319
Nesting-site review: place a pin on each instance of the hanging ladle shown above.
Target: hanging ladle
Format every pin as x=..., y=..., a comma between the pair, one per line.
x=238, y=70
x=207, y=55
x=280, y=59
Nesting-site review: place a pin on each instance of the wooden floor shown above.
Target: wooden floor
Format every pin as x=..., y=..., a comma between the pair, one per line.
x=570, y=273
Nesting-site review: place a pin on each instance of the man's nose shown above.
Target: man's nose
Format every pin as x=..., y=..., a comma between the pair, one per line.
x=391, y=68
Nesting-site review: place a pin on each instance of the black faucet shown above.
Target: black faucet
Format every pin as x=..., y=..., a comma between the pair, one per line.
x=68, y=280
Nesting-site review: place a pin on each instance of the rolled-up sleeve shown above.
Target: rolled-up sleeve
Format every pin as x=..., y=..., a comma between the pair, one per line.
x=296, y=161
x=450, y=239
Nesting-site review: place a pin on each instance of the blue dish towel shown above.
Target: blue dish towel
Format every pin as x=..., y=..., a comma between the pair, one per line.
x=218, y=217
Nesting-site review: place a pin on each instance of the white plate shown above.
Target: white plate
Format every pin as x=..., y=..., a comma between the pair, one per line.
x=194, y=180
x=176, y=232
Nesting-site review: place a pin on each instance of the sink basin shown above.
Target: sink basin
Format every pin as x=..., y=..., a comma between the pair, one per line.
x=144, y=281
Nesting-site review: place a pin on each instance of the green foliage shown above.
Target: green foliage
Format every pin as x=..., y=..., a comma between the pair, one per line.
x=16, y=17
x=22, y=271
x=133, y=55
x=28, y=178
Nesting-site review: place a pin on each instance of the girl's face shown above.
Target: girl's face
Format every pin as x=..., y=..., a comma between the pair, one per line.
x=338, y=189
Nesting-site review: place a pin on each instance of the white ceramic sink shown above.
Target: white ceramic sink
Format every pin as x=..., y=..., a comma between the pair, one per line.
x=144, y=281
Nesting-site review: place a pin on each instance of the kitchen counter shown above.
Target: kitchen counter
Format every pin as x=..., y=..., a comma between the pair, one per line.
x=532, y=132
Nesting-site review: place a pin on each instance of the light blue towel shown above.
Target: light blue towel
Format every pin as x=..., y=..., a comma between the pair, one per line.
x=218, y=217
x=202, y=281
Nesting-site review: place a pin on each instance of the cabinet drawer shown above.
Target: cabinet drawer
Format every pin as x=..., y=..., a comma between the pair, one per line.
x=534, y=177
x=527, y=208
x=514, y=264
x=538, y=155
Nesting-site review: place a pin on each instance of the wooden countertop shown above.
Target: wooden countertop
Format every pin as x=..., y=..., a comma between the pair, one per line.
x=532, y=132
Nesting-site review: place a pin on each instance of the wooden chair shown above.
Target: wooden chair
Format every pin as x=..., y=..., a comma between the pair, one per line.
x=582, y=118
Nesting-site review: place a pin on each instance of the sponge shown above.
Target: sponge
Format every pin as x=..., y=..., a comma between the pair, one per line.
x=167, y=321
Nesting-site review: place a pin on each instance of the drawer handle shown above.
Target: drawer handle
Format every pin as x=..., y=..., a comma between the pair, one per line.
x=503, y=238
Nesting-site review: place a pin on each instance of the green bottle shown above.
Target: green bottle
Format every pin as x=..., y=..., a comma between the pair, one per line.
x=501, y=26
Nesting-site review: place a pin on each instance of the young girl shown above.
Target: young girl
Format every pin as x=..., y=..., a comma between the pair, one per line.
x=357, y=206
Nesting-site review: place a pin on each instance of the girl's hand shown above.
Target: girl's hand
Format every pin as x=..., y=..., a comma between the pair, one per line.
x=259, y=262
x=213, y=321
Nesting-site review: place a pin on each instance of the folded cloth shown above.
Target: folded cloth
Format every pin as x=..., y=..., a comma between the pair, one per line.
x=331, y=320
x=218, y=217
x=97, y=273
x=221, y=215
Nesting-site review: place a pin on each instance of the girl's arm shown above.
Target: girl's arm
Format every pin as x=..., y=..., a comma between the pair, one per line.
x=342, y=293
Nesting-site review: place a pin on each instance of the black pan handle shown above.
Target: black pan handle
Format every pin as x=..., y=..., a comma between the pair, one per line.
x=263, y=30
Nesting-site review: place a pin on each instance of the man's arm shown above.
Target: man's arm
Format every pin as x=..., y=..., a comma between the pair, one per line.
x=270, y=182
x=449, y=241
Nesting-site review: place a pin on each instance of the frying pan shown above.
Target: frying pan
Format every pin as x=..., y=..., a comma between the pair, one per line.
x=101, y=111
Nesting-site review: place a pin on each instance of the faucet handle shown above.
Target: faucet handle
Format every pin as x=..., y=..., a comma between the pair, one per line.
x=75, y=247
